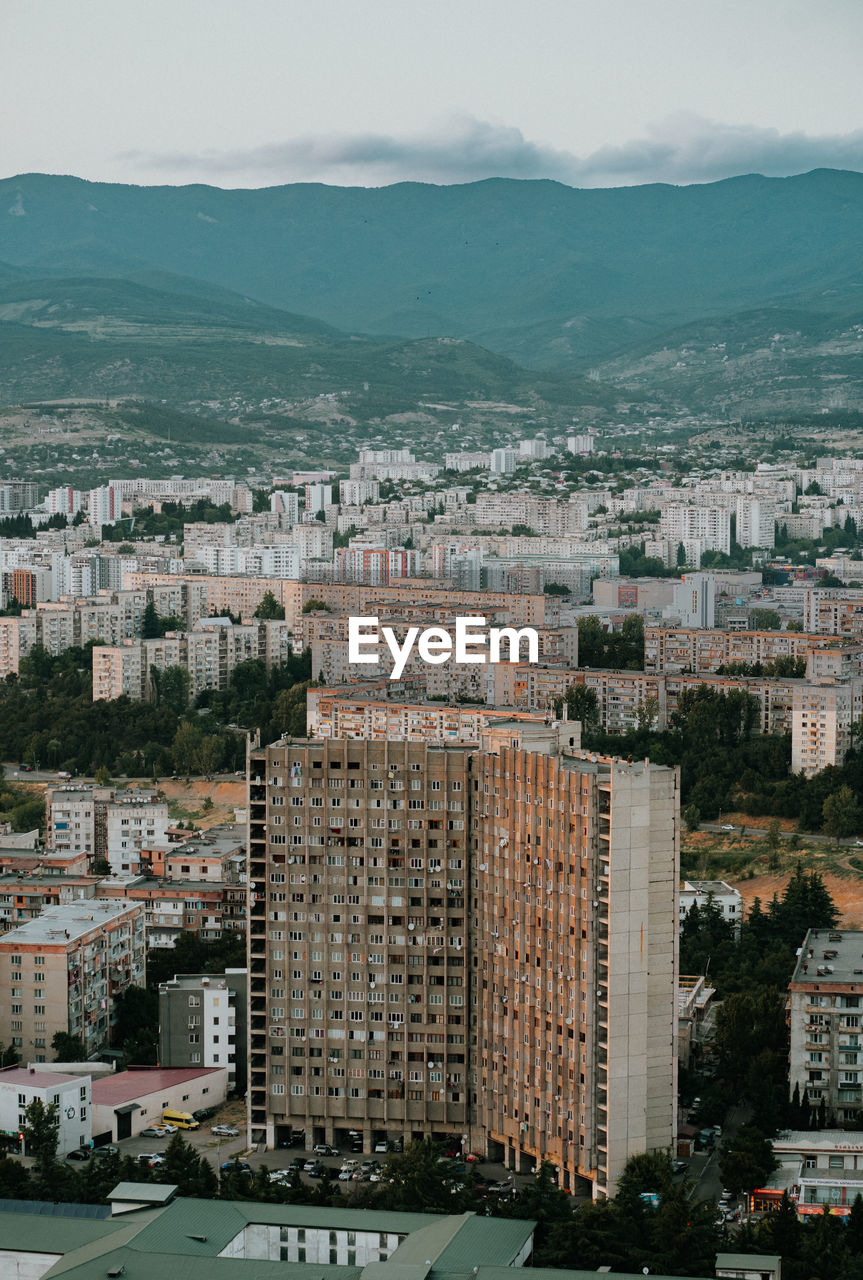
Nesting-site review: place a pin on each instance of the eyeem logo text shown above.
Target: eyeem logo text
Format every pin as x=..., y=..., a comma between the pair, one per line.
x=472, y=642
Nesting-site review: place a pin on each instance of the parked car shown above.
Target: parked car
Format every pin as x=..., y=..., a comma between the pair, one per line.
x=309, y=1166
x=80, y=1153
x=154, y=1131
x=727, y=826
x=104, y=1152
x=236, y=1166
x=324, y=1149
x=317, y=1171
x=151, y=1159
x=297, y=1162
x=204, y=1113
x=225, y=1131
x=381, y=1147
x=169, y=1128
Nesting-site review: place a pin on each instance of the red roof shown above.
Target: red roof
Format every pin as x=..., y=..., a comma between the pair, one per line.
x=126, y=1086
x=37, y=1079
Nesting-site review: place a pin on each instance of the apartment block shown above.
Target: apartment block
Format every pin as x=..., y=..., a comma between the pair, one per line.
x=826, y=998
x=679, y=649
x=709, y=524
x=105, y=824
x=756, y=521
x=203, y=1021
x=576, y=863
x=822, y=713
x=401, y=891
x=333, y=713
x=61, y=972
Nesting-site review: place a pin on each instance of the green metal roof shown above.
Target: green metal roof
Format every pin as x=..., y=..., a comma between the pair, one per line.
x=45, y=1234
x=184, y=1238
x=143, y=1192
x=221, y=1220
x=485, y=1241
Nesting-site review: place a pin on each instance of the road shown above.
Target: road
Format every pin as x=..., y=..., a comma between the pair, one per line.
x=14, y=773
x=813, y=837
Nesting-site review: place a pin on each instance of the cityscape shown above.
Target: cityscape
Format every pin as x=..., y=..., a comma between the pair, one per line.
x=431, y=645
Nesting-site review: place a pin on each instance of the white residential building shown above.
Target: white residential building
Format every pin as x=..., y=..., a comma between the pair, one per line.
x=756, y=521
x=70, y=1094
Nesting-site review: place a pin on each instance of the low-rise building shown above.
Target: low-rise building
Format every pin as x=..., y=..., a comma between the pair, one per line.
x=128, y=1101
x=70, y=1094
x=721, y=894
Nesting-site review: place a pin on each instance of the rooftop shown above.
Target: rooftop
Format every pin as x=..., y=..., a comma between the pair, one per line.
x=67, y=922
x=125, y=1086
x=828, y=957
x=35, y=1079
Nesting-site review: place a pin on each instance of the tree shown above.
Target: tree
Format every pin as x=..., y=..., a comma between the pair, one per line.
x=151, y=623
x=765, y=620
x=692, y=817
x=41, y=1131
x=67, y=1048
x=773, y=842
x=681, y=555
x=841, y=813
x=747, y=1162
x=419, y=1180
x=581, y=704
x=136, y=1025
x=269, y=607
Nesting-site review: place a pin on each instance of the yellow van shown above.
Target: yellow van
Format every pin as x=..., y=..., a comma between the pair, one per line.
x=180, y=1119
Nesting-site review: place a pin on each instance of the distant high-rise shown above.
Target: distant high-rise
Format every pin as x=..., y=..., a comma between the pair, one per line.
x=473, y=944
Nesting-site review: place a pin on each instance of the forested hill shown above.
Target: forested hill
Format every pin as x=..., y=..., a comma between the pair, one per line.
x=533, y=269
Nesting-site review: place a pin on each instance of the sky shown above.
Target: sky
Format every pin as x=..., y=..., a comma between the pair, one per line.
x=250, y=93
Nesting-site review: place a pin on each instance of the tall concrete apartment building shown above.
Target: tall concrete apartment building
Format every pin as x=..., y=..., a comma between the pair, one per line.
x=476, y=944
x=826, y=1004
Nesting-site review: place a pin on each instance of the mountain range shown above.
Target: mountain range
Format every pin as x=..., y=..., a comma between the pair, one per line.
x=550, y=277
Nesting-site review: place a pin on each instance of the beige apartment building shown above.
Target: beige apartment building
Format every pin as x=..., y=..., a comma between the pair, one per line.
x=473, y=944
x=339, y=713
x=822, y=715
x=61, y=972
x=702, y=650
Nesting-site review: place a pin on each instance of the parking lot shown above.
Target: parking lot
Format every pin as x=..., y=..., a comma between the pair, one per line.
x=219, y=1149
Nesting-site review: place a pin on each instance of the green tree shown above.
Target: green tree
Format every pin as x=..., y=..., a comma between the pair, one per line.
x=67, y=1048
x=151, y=623
x=747, y=1162
x=581, y=704
x=420, y=1180
x=41, y=1132
x=692, y=817
x=765, y=620
x=841, y=813
x=269, y=607
x=681, y=555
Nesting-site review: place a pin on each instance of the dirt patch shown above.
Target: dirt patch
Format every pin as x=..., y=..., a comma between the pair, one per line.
x=845, y=892
x=187, y=801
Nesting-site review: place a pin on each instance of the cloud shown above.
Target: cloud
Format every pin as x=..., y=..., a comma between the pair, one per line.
x=682, y=148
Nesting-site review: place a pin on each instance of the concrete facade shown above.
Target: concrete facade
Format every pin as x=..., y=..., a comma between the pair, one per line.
x=384, y=879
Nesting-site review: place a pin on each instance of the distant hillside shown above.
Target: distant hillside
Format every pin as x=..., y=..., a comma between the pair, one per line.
x=547, y=274
x=100, y=338
x=773, y=361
